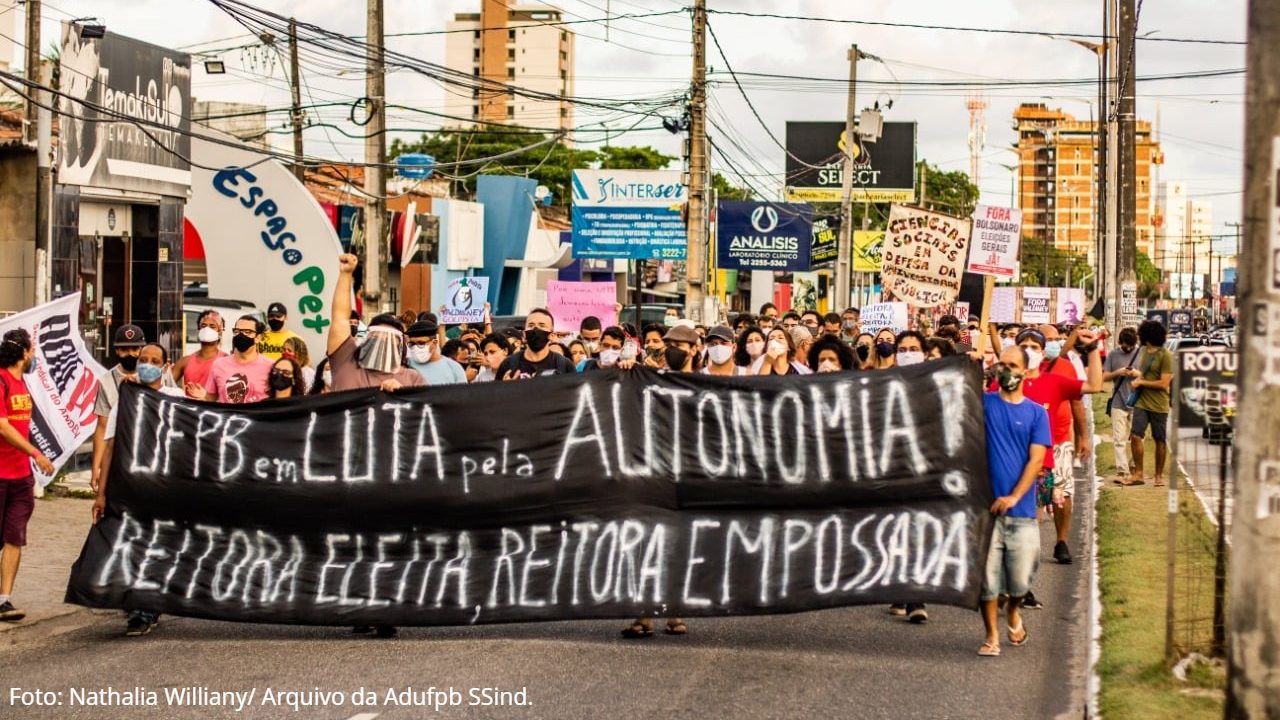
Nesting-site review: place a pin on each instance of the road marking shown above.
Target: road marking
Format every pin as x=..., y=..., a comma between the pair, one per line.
x=364, y=716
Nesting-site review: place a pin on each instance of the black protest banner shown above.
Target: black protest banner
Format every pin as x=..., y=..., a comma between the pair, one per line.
x=607, y=494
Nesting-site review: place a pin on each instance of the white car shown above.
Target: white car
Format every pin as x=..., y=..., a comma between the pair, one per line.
x=230, y=311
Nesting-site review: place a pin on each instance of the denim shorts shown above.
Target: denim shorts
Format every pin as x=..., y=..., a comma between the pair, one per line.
x=1013, y=559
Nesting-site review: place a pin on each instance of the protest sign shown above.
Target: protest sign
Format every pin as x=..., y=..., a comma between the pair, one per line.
x=464, y=301
x=569, y=302
x=596, y=495
x=878, y=316
x=1004, y=305
x=1035, y=306
x=64, y=384
x=1068, y=306
x=867, y=246
x=924, y=255
x=804, y=291
x=997, y=233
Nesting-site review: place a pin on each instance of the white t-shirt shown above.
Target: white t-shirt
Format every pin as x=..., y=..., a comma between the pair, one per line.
x=115, y=410
x=737, y=370
x=759, y=363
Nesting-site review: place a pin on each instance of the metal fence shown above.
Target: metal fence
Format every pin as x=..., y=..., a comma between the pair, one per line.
x=1200, y=479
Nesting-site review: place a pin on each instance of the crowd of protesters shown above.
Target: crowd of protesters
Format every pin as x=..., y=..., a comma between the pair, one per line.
x=1038, y=426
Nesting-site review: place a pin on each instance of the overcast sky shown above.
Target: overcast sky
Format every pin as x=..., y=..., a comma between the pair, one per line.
x=1201, y=122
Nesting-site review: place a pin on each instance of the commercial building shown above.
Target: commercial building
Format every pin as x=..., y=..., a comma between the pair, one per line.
x=1184, y=230
x=511, y=45
x=243, y=121
x=1057, y=178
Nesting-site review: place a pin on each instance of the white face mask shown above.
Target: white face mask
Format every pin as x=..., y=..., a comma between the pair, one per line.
x=420, y=354
x=907, y=358
x=720, y=354
x=327, y=377
x=777, y=347
x=609, y=358
x=827, y=366
x=1034, y=358
x=207, y=336
x=755, y=348
x=1006, y=343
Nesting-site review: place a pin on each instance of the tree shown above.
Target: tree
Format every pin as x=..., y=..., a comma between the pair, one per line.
x=1065, y=268
x=949, y=192
x=551, y=163
x=1148, y=277
x=726, y=191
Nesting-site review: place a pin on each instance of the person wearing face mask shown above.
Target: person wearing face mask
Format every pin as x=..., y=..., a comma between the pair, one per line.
x=242, y=376
x=578, y=354
x=152, y=365
x=17, y=482
x=286, y=380
x=653, y=345
x=1018, y=438
x=271, y=342
x=863, y=347
x=191, y=371
x=323, y=380
x=720, y=352
x=422, y=344
x=849, y=325
x=829, y=354
x=128, y=342
x=670, y=317
x=494, y=349
x=884, y=352
x=1117, y=371
x=779, y=356
x=296, y=349
x=910, y=348
x=537, y=359
x=589, y=332
x=751, y=344
x=378, y=362
x=612, y=339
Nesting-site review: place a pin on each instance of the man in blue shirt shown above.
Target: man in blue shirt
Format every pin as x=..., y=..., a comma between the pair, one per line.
x=423, y=347
x=1017, y=439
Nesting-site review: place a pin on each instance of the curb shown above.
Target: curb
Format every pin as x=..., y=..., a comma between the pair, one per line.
x=47, y=626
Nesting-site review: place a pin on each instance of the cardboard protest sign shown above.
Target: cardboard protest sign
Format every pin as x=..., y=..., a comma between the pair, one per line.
x=464, y=301
x=997, y=233
x=1036, y=306
x=64, y=384
x=924, y=256
x=1069, y=306
x=878, y=316
x=1004, y=305
x=570, y=301
x=596, y=495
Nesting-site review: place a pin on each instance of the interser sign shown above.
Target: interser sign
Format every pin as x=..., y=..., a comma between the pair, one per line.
x=883, y=171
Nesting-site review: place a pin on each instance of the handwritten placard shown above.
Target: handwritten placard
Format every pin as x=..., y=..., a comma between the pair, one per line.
x=924, y=255
x=996, y=235
x=876, y=317
x=464, y=301
x=570, y=302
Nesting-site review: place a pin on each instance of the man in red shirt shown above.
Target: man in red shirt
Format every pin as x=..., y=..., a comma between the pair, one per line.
x=1056, y=391
x=17, y=485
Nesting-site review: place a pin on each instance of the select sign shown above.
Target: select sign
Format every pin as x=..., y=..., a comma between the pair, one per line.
x=764, y=236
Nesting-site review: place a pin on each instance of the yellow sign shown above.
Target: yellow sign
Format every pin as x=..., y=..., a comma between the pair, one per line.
x=866, y=250
x=833, y=195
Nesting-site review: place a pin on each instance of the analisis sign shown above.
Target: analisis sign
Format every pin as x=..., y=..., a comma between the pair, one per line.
x=764, y=236
x=883, y=171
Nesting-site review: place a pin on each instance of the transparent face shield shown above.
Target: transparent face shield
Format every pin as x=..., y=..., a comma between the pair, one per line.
x=382, y=349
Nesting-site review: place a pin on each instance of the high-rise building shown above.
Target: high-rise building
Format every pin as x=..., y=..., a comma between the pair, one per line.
x=1184, y=231
x=1057, y=178
x=511, y=45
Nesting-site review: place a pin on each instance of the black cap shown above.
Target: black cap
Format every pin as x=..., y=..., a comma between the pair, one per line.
x=130, y=336
x=276, y=309
x=422, y=328
x=720, y=332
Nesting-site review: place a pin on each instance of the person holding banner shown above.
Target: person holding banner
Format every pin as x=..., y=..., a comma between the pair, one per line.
x=719, y=354
x=537, y=358
x=495, y=350
x=425, y=358
x=128, y=342
x=17, y=483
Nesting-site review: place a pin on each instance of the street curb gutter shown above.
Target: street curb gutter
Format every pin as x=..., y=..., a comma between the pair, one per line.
x=49, y=625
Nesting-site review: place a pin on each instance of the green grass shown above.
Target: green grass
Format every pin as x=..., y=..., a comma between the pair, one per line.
x=1132, y=530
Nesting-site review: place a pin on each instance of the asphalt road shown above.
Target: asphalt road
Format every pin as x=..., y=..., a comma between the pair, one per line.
x=849, y=662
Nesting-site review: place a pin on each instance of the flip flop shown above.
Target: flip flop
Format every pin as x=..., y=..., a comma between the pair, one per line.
x=637, y=630
x=1134, y=483
x=677, y=628
x=1025, y=636
x=989, y=650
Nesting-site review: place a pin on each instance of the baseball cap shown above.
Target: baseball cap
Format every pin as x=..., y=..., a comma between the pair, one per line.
x=422, y=328
x=276, y=309
x=129, y=336
x=682, y=333
x=720, y=332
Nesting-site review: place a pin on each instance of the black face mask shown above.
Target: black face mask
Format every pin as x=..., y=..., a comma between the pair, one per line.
x=129, y=363
x=242, y=343
x=536, y=339
x=886, y=349
x=864, y=352
x=676, y=358
x=278, y=381
x=275, y=324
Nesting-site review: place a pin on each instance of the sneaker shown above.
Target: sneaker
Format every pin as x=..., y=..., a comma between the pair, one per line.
x=138, y=627
x=386, y=631
x=1029, y=601
x=917, y=614
x=1061, y=553
x=9, y=613
x=898, y=609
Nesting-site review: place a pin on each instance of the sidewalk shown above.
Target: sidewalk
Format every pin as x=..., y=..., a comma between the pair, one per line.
x=54, y=538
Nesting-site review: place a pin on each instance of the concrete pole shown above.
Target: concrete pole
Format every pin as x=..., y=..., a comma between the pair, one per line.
x=1127, y=230
x=32, y=66
x=1253, y=683
x=375, y=154
x=696, y=248
x=295, y=91
x=844, y=247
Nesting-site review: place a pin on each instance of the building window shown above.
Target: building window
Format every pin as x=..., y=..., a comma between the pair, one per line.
x=564, y=112
x=475, y=93
x=476, y=55
x=511, y=35
x=477, y=34
x=475, y=111
x=511, y=72
x=564, y=36
x=511, y=53
x=511, y=111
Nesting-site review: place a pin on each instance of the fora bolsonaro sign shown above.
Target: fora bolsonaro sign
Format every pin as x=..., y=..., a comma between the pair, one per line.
x=764, y=236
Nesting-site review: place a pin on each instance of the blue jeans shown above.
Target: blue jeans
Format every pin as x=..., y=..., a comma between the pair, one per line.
x=1013, y=559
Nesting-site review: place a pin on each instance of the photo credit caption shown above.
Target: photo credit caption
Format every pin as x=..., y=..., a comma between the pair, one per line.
x=200, y=696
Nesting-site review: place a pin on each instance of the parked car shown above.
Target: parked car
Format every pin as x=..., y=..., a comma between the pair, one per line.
x=192, y=307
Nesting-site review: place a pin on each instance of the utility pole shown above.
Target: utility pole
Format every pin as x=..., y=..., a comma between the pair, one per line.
x=33, y=65
x=1253, y=685
x=375, y=156
x=696, y=253
x=844, y=248
x=295, y=89
x=1127, y=210
x=39, y=129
